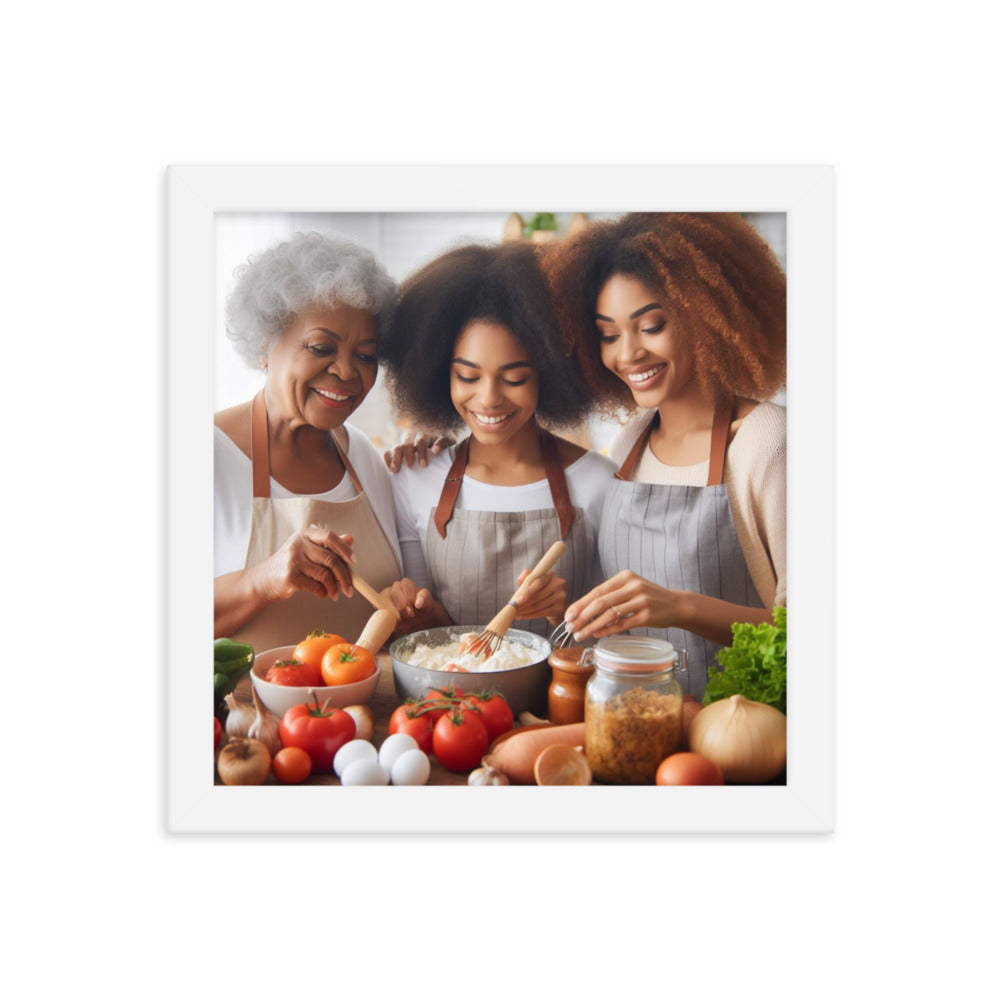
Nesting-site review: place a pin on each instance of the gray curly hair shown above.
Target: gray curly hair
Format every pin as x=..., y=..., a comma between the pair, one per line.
x=308, y=270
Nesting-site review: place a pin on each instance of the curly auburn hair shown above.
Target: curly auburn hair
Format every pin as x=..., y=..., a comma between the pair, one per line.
x=500, y=283
x=713, y=269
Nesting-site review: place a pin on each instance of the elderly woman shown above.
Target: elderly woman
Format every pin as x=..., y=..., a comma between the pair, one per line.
x=474, y=345
x=299, y=492
x=680, y=318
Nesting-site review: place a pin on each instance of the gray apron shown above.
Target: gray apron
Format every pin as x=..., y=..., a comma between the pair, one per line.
x=681, y=538
x=275, y=519
x=474, y=556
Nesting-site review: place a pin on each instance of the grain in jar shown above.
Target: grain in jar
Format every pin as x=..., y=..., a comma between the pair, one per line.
x=633, y=709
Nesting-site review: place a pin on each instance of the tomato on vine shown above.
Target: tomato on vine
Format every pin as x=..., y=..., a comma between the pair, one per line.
x=460, y=739
x=493, y=710
x=412, y=719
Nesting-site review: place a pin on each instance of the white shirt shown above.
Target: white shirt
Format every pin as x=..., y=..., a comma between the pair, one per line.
x=417, y=491
x=234, y=492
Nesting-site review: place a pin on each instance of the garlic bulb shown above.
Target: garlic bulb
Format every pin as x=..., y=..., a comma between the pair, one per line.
x=265, y=726
x=239, y=719
x=487, y=775
x=747, y=739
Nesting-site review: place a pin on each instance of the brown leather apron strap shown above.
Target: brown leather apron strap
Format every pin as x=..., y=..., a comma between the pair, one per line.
x=724, y=411
x=557, y=483
x=259, y=457
x=452, y=484
x=347, y=465
x=554, y=473
x=628, y=466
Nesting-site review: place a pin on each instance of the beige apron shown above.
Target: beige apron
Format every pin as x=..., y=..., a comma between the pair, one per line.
x=275, y=520
x=474, y=556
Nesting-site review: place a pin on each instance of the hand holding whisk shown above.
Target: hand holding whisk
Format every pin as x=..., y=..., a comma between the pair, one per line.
x=488, y=641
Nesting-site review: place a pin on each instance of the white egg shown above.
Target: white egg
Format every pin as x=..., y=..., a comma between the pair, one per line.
x=411, y=767
x=351, y=751
x=393, y=746
x=364, y=772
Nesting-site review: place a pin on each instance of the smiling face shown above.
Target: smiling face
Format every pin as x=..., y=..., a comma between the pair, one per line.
x=494, y=382
x=323, y=366
x=642, y=343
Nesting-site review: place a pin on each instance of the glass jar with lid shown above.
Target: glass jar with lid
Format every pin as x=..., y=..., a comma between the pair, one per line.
x=632, y=709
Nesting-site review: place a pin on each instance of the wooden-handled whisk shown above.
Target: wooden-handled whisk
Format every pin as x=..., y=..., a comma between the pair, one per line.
x=488, y=641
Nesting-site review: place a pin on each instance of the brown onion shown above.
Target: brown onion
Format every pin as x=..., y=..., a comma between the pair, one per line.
x=244, y=762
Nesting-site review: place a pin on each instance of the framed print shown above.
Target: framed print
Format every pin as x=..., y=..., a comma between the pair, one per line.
x=220, y=216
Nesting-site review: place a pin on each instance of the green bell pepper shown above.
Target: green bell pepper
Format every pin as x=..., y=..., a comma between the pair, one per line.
x=232, y=660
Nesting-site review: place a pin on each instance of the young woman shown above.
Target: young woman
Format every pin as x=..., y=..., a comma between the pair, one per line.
x=680, y=318
x=474, y=342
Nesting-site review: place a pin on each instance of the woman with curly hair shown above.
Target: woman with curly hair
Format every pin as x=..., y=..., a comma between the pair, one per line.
x=474, y=341
x=680, y=318
x=295, y=484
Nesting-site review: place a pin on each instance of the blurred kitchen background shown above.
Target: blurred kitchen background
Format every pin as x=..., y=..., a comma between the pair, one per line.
x=403, y=241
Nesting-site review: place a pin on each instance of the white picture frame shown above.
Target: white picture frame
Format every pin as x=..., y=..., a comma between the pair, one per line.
x=195, y=194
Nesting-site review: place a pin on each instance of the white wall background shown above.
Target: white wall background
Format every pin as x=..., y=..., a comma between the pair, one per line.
x=403, y=241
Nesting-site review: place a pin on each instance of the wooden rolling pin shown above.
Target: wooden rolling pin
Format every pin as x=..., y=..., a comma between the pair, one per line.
x=377, y=630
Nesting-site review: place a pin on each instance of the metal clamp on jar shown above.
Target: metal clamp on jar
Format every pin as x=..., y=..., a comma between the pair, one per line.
x=633, y=708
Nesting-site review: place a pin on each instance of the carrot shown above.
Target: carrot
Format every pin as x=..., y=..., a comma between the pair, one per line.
x=514, y=755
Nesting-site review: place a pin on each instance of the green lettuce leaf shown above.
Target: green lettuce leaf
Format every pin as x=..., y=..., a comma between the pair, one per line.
x=754, y=665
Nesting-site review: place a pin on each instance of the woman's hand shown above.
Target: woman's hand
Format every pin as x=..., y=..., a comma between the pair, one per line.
x=314, y=560
x=416, y=450
x=416, y=606
x=624, y=602
x=544, y=597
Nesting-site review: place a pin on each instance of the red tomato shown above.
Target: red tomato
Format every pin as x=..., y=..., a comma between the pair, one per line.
x=688, y=769
x=346, y=663
x=311, y=649
x=291, y=765
x=218, y=731
x=409, y=719
x=319, y=730
x=493, y=710
x=293, y=673
x=446, y=697
x=460, y=740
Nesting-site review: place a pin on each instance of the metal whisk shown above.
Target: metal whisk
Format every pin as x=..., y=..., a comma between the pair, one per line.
x=561, y=636
x=487, y=642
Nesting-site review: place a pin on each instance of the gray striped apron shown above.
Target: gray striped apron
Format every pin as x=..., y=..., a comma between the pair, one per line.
x=474, y=556
x=681, y=538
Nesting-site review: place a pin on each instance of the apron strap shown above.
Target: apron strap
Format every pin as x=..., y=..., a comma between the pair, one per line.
x=260, y=458
x=723, y=417
x=628, y=466
x=554, y=473
x=452, y=484
x=725, y=410
x=556, y=476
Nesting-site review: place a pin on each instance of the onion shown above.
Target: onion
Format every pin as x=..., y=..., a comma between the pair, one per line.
x=244, y=762
x=364, y=721
x=747, y=739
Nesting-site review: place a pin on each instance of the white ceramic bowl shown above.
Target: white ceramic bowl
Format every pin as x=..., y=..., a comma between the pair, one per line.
x=525, y=688
x=278, y=698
